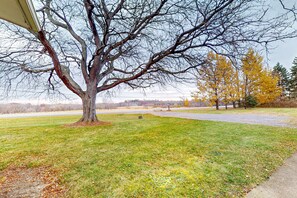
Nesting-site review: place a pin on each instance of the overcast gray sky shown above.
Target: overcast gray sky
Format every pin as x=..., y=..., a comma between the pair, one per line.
x=284, y=53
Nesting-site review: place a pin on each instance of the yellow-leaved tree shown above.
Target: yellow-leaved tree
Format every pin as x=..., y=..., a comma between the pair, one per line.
x=269, y=87
x=236, y=93
x=215, y=81
x=230, y=84
x=186, y=103
x=257, y=81
x=219, y=82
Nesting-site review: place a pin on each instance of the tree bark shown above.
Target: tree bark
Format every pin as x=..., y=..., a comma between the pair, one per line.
x=217, y=104
x=234, y=104
x=89, y=104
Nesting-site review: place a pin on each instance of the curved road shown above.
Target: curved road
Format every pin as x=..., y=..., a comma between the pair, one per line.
x=270, y=120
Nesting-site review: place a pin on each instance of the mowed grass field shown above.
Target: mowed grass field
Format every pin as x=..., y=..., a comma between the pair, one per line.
x=151, y=157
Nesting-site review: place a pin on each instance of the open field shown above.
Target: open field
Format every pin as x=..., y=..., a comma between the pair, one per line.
x=156, y=157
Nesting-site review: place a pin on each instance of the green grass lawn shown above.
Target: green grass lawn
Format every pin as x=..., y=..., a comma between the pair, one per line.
x=152, y=157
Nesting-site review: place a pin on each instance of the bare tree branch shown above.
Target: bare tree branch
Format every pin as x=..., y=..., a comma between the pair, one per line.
x=93, y=46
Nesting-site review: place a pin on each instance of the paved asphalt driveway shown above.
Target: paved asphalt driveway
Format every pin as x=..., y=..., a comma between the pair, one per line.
x=271, y=120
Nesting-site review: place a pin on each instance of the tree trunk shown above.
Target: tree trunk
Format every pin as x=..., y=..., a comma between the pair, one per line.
x=217, y=99
x=234, y=105
x=89, y=105
x=245, y=91
x=168, y=108
x=226, y=106
x=217, y=104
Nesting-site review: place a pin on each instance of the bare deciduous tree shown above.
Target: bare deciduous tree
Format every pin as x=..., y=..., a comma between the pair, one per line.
x=93, y=46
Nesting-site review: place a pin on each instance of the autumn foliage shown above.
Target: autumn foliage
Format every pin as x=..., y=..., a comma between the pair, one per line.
x=186, y=102
x=216, y=77
x=220, y=82
x=259, y=81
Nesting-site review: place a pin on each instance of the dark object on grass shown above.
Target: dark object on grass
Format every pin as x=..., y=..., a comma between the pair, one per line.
x=140, y=117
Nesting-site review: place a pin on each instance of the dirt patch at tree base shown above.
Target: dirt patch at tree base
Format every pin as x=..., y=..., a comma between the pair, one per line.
x=83, y=124
x=30, y=182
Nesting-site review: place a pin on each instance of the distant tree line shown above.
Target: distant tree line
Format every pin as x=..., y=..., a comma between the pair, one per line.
x=9, y=108
x=27, y=107
x=247, y=84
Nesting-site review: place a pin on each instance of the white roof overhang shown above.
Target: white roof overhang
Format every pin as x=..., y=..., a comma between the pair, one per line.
x=20, y=12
